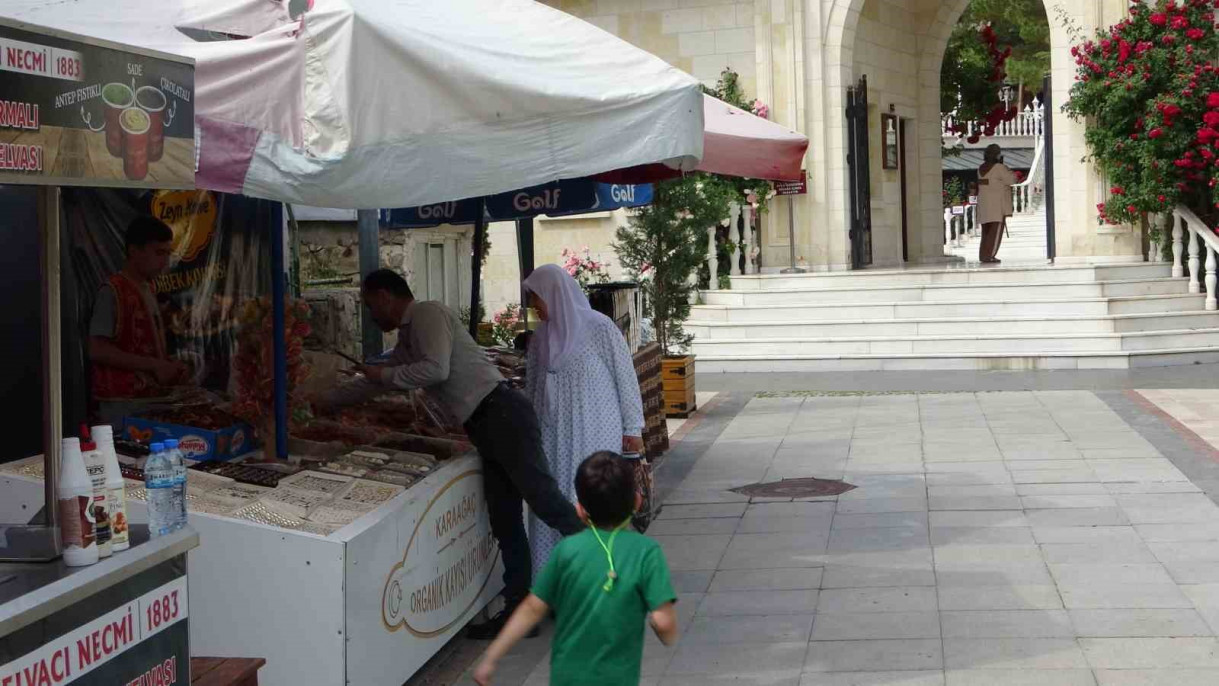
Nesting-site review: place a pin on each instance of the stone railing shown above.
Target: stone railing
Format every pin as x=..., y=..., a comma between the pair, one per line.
x=745, y=245
x=1028, y=195
x=1029, y=123
x=958, y=226
x=1186, y=226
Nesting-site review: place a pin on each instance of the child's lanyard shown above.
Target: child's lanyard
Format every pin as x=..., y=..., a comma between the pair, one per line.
x=609, y=553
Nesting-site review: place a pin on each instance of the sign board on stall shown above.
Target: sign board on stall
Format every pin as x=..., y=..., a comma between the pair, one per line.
x=557, y=199
x=793, y=187
x=973, y=200
x=85, y=112
x=958, y=210
x=134, y=633
x=416, y=577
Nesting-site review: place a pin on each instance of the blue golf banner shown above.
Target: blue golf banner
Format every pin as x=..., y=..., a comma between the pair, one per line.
x=557, y=199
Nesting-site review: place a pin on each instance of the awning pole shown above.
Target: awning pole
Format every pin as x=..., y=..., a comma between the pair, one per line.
x=524, y=251
x=476, y=268
x=279, y=279
x=367, y=225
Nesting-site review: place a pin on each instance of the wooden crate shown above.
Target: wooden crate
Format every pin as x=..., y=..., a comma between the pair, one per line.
x=647, y=369
x=677, y=376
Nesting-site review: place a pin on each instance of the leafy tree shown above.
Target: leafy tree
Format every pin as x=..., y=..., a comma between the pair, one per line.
x=1020, y=25
x=666, y=242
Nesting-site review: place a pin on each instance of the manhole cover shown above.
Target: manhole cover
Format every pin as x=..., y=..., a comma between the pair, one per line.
x=795, y=488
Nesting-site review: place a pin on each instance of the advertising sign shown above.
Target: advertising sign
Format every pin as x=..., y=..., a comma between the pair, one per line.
x=141, y=640
x=792, y=187
x=557, y=199
x=415, y=578
x=76, y=111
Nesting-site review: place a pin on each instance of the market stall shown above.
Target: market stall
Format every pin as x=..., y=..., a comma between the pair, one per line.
x=346, y=562
x=79, y=112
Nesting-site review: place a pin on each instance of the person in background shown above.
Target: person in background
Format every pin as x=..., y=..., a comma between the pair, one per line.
x=995, y=183
x=602, y=585
x=128, y=359
x=583, y=385
x=436, y=353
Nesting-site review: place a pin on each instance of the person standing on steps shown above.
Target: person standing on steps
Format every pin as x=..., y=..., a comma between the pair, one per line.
x=436, y=353
x=995, y=181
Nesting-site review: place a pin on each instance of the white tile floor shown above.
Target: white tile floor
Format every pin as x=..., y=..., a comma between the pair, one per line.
x=994, y=539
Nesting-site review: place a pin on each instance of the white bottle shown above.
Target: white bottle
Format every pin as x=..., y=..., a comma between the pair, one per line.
x=175, y=458
x=116, y=490
x=159, y=483
x=95, y=465
x=75, y=494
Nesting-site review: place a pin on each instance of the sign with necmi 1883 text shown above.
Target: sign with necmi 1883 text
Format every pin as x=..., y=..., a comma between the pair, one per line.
x=78, y=111
x=141, y=640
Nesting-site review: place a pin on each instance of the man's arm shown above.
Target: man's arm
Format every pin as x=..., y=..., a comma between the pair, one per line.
x=664, y=622
x=104, y=351
x=432, y=341
x=527, y=616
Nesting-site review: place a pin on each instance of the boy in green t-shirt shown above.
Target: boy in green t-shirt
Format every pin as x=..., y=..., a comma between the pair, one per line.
x=602, y=584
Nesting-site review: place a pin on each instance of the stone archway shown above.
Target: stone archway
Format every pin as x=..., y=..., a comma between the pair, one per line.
x=930, y=33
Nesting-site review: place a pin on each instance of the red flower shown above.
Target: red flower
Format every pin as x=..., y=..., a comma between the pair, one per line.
x=1168, y=39
x=1131, y=209
x=1180, y=22
x=1155, y=133
x=1206, y=136
x=1195, y=34
x=1212, y=101
x=1212, y=119
x=1117, y=190
x=1162, y=199
x=1158, y=19
x=1123, y=52
x=1206, y=153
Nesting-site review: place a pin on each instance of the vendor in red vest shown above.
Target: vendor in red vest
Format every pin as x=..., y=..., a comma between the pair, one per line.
x=126, y=334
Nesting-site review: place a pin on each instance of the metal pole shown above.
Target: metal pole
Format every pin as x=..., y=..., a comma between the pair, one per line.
x=52, y=372
x=476, y=268
x=1051, y=249
x=524, y=251
x=367, y=225
x=279, y=278
x=791, y=238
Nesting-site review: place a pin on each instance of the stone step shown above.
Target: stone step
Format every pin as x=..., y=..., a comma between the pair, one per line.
x=962, y=326
x=953, y=274
x=712, y=364
x=1062, y=307
x=947, y=292
x=1010, y=345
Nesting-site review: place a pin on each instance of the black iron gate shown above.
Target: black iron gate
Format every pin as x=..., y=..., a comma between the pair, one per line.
x=860, y=177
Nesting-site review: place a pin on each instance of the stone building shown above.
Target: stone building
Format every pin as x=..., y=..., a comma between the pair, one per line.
x=800, y=57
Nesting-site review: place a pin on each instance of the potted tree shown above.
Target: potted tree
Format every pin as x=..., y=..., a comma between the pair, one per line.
x=662, y=247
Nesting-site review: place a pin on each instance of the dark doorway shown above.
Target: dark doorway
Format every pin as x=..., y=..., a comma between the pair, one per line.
x=901, y=142
x=859, y=173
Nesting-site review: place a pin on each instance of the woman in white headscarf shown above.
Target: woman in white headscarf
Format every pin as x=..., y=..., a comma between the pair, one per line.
x=582, y=383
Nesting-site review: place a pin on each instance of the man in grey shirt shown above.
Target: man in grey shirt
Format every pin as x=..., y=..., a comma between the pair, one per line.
x=436, y=353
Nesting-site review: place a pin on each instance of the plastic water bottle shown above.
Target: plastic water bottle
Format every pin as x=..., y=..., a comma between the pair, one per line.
x=159, y=482
x=175, y=458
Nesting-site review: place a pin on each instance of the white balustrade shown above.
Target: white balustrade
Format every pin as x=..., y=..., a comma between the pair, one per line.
x=747, y=248
x=1195, y=284
x=735, y=238
x=1211, y=301
x=1201, y=237
x=713, y=260
x=1029, y=123
x=948, y=237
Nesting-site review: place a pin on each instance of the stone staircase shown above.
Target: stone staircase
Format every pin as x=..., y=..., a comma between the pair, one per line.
x=1009, y=317
x=1024, y=242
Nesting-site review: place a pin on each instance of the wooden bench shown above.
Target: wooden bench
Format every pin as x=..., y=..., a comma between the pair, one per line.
x=225, y=671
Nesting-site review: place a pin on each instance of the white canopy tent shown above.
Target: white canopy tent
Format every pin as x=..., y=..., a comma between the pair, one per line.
x=396, y=103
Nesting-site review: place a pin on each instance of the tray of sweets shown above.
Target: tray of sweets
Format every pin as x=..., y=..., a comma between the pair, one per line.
x=269, y=514
x=369, y=494
x=198, y=480
x=388, y=476
x=340, y=468
x=316, y=482
x=337, y=516
x=295, y=503
x=239, y=492
x=321, y=431
x=130, y=471
x=243, y=473
x=206, y=503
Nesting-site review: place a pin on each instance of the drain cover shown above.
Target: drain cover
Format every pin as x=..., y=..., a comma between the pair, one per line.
x=795, y=488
